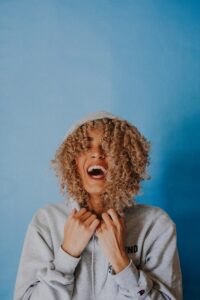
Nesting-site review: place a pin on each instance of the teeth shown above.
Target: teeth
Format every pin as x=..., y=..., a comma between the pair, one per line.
x=97, y=167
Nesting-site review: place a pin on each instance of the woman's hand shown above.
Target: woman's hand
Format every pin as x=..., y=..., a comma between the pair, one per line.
x=111, y=234
x=78, y=230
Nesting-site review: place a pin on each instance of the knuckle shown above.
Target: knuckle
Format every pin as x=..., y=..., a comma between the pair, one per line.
x=78, y=222
x=72, y=218
x=83, y=226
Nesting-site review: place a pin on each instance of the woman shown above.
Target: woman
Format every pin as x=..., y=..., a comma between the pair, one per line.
x=98, y=243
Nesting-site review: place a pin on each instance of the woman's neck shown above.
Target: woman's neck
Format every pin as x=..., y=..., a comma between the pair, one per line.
x=95, y=204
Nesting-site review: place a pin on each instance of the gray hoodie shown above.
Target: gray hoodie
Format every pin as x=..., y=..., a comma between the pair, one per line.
x=46, y=272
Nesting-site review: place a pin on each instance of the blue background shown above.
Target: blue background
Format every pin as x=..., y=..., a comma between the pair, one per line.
x=60, y=60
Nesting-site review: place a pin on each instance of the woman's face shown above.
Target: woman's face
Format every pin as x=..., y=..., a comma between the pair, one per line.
x=93, y=164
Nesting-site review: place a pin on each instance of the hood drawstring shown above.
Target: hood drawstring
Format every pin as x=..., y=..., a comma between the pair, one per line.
x=93, y=253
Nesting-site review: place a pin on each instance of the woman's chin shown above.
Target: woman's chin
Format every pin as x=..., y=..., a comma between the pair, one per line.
x=95, y=189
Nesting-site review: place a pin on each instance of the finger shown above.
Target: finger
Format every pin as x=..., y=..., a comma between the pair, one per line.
x=90, y=219
x=81, y=212
x=114, y=216
x=107, y=219
x=102, y=226
x=99, y=228
x=98, y=231
x=94, y=224
x=85, y=216
x=122, y=221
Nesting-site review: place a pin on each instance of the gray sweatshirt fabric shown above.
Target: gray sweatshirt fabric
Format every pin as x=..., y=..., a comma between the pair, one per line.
x=46, y=272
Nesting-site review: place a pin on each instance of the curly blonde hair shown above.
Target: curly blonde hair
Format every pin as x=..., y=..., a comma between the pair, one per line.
x=129, y=153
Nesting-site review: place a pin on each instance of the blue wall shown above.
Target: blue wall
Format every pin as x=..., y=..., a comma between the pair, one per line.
x=60, y=60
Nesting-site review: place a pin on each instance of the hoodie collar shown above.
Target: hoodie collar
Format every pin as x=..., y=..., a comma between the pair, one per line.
x=72, y=203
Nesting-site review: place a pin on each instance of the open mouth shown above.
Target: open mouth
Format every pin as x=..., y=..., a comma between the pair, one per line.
x=97, y=172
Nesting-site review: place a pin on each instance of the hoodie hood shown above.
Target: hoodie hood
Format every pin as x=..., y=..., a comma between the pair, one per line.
x=91, y=117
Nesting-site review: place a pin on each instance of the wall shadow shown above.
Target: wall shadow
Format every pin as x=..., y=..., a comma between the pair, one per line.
x=181, y=186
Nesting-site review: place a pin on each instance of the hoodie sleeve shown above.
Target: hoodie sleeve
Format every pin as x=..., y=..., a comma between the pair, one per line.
x=159, y=276
x=43, y=274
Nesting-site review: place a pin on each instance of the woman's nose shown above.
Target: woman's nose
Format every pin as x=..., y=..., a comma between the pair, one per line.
x=97, y=152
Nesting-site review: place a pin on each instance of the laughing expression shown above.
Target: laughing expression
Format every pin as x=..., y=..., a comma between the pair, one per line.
x=93, y=164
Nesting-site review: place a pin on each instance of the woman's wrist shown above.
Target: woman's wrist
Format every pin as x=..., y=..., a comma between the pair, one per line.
x=121, y=263
x=72, y=254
